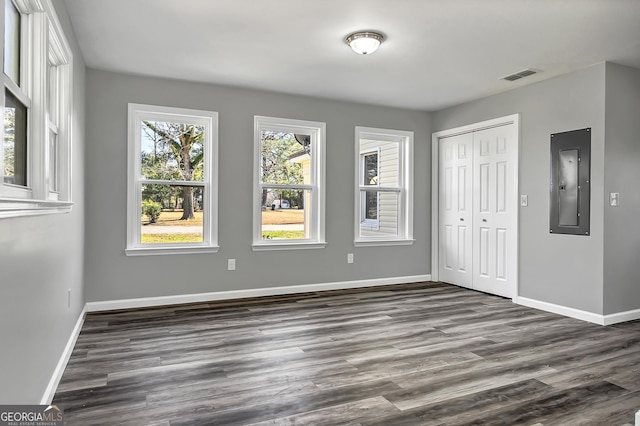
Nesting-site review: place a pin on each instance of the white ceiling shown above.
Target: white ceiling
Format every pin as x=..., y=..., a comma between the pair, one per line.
x=438, y=53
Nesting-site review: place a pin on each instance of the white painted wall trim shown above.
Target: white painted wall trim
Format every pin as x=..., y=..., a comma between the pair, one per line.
x=241, y=294
x=435, y=207
x=599, y=319
x=561, y=310
x=638, y=418
x=50, y=391
x=619, y=317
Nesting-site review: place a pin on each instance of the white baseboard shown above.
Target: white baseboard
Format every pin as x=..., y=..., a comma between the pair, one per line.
x=599, y=319
x=64, y=359
x=621, y=317
x=242, y=294
x=561, y=310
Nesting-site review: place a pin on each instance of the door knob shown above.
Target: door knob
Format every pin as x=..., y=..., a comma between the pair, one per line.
x=484, y=220
x=461, y=220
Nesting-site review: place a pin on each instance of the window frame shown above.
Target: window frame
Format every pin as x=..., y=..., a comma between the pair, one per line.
x=404, y=188
x=58, y=55
x=23, y=92
x=41, y=33
x=316, y=225
x=209, y=119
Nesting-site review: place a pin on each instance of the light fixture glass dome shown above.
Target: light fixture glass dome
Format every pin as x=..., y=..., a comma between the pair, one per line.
x=364, y=42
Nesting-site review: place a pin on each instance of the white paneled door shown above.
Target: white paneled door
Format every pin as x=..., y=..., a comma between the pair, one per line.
x=478, y=210
x=456, y=219
x=495, y=213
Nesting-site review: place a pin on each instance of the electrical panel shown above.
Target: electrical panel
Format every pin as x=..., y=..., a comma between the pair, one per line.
x=570, y=182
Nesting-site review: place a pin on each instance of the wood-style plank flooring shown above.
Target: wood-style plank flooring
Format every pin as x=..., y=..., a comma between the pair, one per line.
x=416, y=354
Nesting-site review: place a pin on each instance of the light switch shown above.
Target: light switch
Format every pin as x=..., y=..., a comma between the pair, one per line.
x=524, y=200
x=614, y=199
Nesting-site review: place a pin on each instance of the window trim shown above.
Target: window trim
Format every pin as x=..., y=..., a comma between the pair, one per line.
x=135, y=180
x=317, y=131
x=41, y=32
x=404, y=189
x=58, y=56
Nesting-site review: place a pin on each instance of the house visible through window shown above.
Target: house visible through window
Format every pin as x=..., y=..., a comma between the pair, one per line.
x=289, y=207
x=370, y=206
x=384, y=187
x=172, y=188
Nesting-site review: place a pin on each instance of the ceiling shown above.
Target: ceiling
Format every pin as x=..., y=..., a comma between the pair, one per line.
x=438, y=53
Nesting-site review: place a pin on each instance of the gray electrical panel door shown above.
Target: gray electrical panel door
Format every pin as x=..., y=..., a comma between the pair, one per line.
x=570, y=182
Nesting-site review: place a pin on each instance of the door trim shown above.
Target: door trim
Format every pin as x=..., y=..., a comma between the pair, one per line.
x=435, y=186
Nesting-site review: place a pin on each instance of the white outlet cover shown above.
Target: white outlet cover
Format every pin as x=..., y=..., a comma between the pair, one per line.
x=614, y=199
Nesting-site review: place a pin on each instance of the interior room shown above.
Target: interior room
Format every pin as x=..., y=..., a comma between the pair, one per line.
x=284, y=212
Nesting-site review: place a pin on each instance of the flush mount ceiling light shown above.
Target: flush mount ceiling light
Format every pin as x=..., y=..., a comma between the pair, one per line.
x=364, y=42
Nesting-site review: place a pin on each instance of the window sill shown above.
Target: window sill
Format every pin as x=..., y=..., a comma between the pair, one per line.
x=371, y=243
x=153, y=251
x=287, y=246
x=11, y=207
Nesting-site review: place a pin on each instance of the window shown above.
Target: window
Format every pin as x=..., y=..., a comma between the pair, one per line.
x=384, y=190
x=172, y=191
x=36, y=154
x=58, y=118
x=289, y=184
x=16, y=100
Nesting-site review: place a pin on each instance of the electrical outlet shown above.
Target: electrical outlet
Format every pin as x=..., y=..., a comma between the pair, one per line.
x=231, y=264
x=349, y=257
x=614, y=199
x=524, y=200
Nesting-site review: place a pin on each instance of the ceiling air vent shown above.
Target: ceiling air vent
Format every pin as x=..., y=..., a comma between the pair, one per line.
x=519, y=75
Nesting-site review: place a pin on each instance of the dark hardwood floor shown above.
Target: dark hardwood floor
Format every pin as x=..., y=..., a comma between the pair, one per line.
x=416, y=354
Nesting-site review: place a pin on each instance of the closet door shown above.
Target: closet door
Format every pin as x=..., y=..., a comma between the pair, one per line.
x=455, y=205
x=494, y=210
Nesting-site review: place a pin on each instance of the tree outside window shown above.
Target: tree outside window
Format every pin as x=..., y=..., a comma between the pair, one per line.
x=172, y=197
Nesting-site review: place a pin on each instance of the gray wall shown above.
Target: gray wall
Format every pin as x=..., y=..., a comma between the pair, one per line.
x=622, y=174
x=112, y=276
x=40, y=258
x=560, y=269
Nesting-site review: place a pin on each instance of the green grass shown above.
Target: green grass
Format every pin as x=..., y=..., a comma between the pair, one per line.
x=289, y=235
x=171, y=238
x=172, y=218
